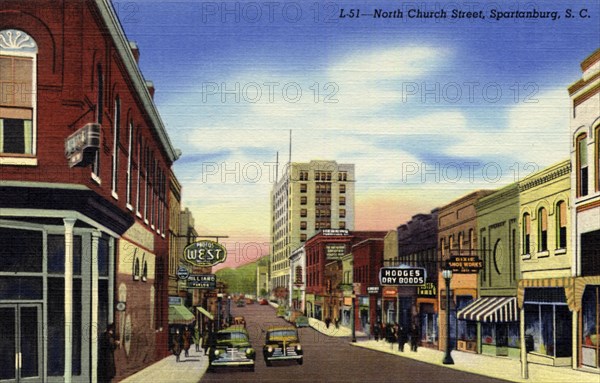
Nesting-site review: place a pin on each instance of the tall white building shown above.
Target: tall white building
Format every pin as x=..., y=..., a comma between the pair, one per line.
x=307, y=198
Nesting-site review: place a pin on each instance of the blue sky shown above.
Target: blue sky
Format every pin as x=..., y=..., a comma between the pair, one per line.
x=423, y=107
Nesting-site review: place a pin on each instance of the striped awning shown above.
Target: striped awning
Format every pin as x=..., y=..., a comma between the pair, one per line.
x=491, y=309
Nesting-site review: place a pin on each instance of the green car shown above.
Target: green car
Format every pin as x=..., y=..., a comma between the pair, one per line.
x=281, y=311
x=282, y=343
x=232, y=348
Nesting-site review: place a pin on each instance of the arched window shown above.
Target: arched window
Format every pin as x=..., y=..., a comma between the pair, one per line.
x=18, y=56
x=542, y=229
x=526, y=232
x=597, y=156
x=561, y=225
x=582, y=165
x=116, y=143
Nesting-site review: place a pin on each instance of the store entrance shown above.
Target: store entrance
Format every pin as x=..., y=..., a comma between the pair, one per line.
x=21, y=342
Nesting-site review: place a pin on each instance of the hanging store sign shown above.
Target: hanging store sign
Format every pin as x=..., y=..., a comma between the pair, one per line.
x=81, y=146
x=202, y=281
x=402, y=276
x=205, y=253
x=465, y=264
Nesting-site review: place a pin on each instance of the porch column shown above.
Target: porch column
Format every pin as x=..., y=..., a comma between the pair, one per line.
x=575, y=340
x=524, y=367
x=94, y=309
x=69, y=224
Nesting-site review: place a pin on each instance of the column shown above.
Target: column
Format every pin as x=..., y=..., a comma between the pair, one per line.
x=69, y=224
x=524, y=367
x=94, y=309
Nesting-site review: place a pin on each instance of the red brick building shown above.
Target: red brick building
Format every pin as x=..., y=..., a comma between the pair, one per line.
x=84, y=173
x=367, y=256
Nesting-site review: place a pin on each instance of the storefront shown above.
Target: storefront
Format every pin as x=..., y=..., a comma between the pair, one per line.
x=590, y=321
x=55, y=298
x=498, y=320
x=428, y=320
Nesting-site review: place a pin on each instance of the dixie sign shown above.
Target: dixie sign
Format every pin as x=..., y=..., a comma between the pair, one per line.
x=204, y=253
x=402, y=276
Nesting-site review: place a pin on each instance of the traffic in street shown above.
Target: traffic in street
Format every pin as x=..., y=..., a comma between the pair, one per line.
x=326, y=359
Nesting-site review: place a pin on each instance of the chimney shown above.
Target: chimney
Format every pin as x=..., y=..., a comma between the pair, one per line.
x=135, y=50
x=150, y=86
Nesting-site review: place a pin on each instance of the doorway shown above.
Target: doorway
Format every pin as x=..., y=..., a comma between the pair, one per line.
x=21, y=342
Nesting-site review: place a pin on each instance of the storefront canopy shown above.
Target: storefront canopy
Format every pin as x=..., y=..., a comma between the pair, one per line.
x=205, y=313
x=491, y=309
x=179, y=314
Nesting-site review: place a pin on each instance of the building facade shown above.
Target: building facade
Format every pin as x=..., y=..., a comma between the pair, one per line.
x=495, y=310
x=457, y=236
x=585, y=195
x=309, y=197
x=85, y=163
x=298, y=279
x=417, y=247
x=548, y=327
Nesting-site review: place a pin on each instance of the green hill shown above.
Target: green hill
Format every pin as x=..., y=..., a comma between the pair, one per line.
x=241, y=279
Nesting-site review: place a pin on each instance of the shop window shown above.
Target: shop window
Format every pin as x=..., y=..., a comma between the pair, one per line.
x=561, y=225
x=18, y=55
x=56, y=254
x=20, y=250
x=591, y=326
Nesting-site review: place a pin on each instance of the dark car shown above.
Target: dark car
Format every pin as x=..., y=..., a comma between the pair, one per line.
x=232, y=348
x=264, y=302
x=282, y=343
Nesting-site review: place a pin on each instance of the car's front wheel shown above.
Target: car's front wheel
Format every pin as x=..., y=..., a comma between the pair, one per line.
x=301, y=360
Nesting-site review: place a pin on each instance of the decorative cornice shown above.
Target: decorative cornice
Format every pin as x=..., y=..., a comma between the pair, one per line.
x=531, y=183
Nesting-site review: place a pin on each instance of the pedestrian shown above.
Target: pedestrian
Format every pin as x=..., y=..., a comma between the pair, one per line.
x=415, y=334
x=106, y=364
x=390, y=336
x=377, y=331
x=197, y=339
x=187, y=341
x=401, y=337
x=176, y=345
x=209, y=340
x=327, y=322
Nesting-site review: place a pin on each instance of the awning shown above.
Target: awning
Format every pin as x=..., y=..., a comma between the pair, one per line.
x=179, y=314
x=205, y=313
x=491, y=309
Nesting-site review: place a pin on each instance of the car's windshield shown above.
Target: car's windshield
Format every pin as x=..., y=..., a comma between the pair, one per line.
x=239, y=336
x=282, y=333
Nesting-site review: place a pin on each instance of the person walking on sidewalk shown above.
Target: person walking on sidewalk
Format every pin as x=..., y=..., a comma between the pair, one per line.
x=415, y=334
x=108, y=344
x=377, y=330
x=187, y=341
x=176, y=345
x=197, y=339
x=401, y=337
x=390, y=335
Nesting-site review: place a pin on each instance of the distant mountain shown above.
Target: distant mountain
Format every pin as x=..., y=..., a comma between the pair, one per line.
x=241, y=279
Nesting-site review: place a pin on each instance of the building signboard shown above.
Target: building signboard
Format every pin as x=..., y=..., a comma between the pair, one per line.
x=429, y=289
x=81, y=146
x=465, y=264
x=402, y=276
x=335, y=251
x=205, y=253
x=202, y=281
x=373, y=289
x=337, y=232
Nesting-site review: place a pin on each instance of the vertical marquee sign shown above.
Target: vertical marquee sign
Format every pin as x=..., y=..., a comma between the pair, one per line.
x=204, y=253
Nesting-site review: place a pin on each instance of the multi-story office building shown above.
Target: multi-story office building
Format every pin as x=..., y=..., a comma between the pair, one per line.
x=308, y=197
x=585, y=194
x=85, y=163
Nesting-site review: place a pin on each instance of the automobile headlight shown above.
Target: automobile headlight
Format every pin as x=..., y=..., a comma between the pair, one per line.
x=298, y=347
x=217, y=352
x=269, y=349
x=249, y=351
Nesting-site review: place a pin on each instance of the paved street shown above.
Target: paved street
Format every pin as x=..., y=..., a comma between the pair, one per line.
x=331, y=359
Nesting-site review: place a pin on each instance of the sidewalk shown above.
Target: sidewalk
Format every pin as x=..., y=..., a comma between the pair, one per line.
x=495, y=367
x=188, y=370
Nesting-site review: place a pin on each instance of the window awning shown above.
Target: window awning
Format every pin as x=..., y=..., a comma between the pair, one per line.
x=491, y=309
x=205, y=313
x=179, y=314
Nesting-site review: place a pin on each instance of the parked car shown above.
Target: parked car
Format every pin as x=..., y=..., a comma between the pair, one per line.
x=302, y=321
x=282, y=343
x=281, y=311
x=232, y=348
x=249, y=301
x=263, y=302
x=240, y=303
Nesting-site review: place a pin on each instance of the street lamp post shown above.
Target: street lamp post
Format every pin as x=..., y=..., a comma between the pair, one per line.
x=447, y=275
x=219, y=319
x=353, y=315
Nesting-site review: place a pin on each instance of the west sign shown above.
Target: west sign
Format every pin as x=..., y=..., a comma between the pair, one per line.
x=204, y=253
